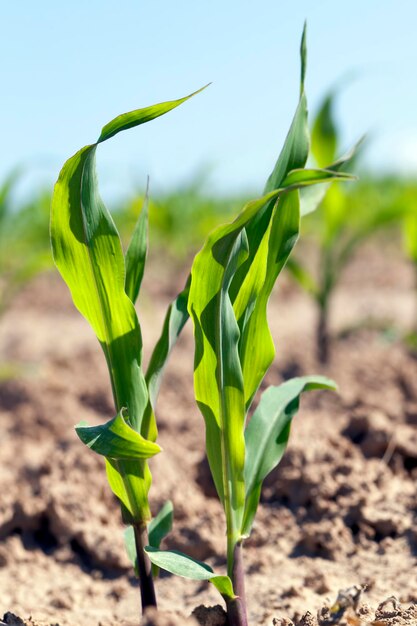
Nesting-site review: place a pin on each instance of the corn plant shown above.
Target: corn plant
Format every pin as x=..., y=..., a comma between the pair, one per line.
x=231, y=280
x=104, y=285
x=345, y=219
x=407, y=207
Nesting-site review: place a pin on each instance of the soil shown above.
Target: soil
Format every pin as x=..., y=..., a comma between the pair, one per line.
x=340, y=510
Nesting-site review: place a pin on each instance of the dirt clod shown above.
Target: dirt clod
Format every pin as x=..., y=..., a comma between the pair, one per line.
x=153, y=617
x=210, y=615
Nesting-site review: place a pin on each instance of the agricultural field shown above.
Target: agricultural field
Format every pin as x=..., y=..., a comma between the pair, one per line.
x=175, y=459
x=339, y=511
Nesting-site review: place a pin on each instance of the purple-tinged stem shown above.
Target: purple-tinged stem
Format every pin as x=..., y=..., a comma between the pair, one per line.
x=236, y=608
x=147, y=589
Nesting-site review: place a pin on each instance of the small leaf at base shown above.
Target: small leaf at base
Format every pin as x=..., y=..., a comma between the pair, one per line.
x=183, y=565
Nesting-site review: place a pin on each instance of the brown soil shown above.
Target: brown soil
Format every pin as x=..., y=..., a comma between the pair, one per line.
x=340, y=511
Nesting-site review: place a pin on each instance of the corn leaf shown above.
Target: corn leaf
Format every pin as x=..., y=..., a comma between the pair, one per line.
x=295, y=150
x=410, y=234
x=302, y=276
x=116, y=440
x=135, y=257
x=130, y=482
x=175, y=319
x=324, y=133
x=161, y=524
x=88, y=253
x=6, y=189
x=130, y=545
x=141, y=116
x=300, y=178
x=182, y=565
x=159, y=527
x=267, y=433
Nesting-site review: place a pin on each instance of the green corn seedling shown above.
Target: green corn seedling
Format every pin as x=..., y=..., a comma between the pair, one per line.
x=24, y=250
x=347, y=217
x=231, y=280
x=406, y=201
x=104, y=285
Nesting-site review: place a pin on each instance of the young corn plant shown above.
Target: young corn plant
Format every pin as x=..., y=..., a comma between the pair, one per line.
x=407, y=199
x=231, y=280
x=346, y=218
x=104, y=284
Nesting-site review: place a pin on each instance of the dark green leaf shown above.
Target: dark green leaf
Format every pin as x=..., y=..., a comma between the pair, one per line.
x=88, y=252
x=135, y=257
x=267, y=433
x=295, y=150
x=161, y=525
x=175, y=319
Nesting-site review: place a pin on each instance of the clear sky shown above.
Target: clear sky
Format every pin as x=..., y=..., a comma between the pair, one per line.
x=69, y=67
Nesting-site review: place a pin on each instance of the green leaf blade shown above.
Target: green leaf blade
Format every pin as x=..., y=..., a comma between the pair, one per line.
x=141, y=116
x=88, y=253
x=324, y=137
x=117, y=440
x=130, y=481
x=181, y=565
x=267, y=433
x=175, y=320
x=136, y=253
x=161, y=524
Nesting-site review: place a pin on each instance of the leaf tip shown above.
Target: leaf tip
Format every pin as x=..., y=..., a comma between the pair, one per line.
x=303, y=54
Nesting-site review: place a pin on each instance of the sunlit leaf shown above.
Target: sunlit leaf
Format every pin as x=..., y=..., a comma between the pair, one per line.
x=141, y=116
x=267, y=433
x=183, y=565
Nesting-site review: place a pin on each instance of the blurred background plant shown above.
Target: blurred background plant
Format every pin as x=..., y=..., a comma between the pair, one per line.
x=347, y=215
x=24, y=236
x=406, y=193
x=180, y=218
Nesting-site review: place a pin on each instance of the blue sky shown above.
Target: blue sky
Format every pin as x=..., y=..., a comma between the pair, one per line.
x=68, y=68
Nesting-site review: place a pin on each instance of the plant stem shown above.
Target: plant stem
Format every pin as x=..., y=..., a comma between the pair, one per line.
x=236, y=608
x=147, y=589
x=323, y=334
x=238, y=573
x=236, y=612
